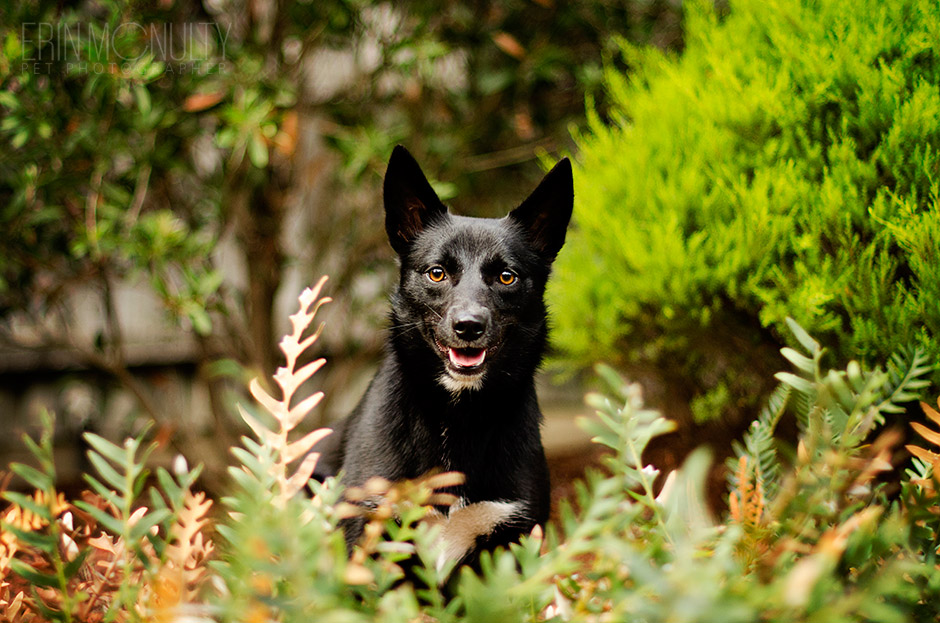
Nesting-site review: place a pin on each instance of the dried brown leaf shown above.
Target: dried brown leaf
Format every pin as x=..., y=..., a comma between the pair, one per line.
x=357, y=574
x=930, y=412
x=300, y=478
x=509, y=44
x=288, y=418
x=290, y=384
x=924, y=455
x=445, y=479
x=275, y=407
x=345, y=510
x=746, y=502
x=931, y=436
x=298, y=413
x=202, y=101
x=442, y=499
x=263, y=433
x=308, y=342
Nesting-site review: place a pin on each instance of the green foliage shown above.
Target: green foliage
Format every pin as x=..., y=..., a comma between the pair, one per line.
x=784, y=164
x=174, y=143
x=813, y=538
x=106, y=557
x=114, y=117
x=839, y=407
x=93, y=130
x=44, y=505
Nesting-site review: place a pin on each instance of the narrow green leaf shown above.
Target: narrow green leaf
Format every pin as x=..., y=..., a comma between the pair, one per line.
x=245, y=480
x=111, y=524
x=188, y=479
x=890, y=407
x=257, y=150
x=854, y=374
x=110, y=495
x=108, y=473
x=167, y=484
x=156, y=500
x=40, y=540
x=140, y=480
x=114, y=453
x=159, y=545
x=801, y=362
x=803, y=337
x=28, y=503
x=228, y=533
x=798, y=383
x=200, y=319
x=31, y=575
x=74, y=566
x=148, y=521
x=841, y=391
x=36, y=479
x=599, y=402
x=42, y=452
x=612, y=378
x=248, y=459
x=144, y=103
x=661, y=426
x=20, y=137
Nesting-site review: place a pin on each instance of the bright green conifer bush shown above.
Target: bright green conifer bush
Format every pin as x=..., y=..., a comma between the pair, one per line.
x=785, y=164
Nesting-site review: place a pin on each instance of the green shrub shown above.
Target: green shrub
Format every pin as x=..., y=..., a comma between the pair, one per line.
x=785, y=164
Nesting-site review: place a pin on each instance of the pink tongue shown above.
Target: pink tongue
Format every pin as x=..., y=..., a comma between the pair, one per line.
x=467, y=357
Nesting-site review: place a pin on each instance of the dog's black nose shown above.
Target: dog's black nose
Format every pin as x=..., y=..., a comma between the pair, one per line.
x=469, y=327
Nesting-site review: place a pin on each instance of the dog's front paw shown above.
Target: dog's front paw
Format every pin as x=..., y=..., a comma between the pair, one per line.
x=465, y=523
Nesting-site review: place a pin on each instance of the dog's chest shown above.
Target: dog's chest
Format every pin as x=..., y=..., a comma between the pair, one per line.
x=457, y=451
x=447, y=462
x=483, y=456
x=492, y=442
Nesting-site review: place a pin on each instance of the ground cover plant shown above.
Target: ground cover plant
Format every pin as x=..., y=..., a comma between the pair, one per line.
x=815, y=531
x=784, y=164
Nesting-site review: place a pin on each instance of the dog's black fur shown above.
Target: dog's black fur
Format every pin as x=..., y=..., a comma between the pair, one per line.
x=455, y=390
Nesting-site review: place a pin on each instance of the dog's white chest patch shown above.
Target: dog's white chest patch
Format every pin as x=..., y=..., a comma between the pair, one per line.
x=466, y=522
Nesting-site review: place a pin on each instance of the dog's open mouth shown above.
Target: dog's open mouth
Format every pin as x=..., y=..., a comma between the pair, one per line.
x=466, y=358
x=463, y=360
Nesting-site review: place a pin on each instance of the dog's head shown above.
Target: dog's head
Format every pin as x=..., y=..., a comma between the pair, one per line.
x=472, y=288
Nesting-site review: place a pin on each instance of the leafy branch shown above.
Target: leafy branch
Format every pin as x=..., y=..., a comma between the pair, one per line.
x=290, y=378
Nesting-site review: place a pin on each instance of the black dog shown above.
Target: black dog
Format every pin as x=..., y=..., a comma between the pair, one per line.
x=455, y=390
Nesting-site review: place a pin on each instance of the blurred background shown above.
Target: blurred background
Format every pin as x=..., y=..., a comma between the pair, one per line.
x=173, y=174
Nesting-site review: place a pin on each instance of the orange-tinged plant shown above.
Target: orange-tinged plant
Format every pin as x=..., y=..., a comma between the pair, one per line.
x=289, y=379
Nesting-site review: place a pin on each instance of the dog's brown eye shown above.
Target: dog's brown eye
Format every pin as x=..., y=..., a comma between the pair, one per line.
x=436, y=274
x=507, y=278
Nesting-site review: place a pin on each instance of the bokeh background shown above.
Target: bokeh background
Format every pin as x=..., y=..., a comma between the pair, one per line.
x=174, y=173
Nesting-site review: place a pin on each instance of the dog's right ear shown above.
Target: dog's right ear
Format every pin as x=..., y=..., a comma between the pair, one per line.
x=410, y=202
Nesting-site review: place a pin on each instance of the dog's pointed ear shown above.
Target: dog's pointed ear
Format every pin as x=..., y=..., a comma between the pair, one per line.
x=546, y=212
x=410, y=202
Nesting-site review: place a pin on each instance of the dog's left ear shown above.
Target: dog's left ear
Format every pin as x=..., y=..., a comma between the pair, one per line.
x=546, y=212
